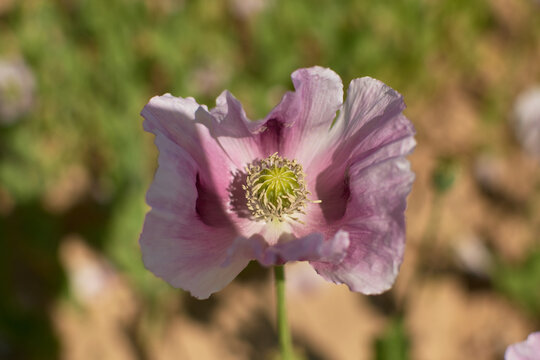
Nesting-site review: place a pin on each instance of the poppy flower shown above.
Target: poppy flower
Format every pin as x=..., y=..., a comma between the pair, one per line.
x=316, y=180
x=526, y=350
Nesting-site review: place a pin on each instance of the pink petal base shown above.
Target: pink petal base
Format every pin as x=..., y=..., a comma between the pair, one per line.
x=312, y=247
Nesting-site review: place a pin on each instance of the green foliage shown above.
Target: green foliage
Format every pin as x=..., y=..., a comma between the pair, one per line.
x=444, y=175
x=521, y=282
x=394, y=343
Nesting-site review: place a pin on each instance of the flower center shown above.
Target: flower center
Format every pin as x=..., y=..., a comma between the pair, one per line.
x=275, y=189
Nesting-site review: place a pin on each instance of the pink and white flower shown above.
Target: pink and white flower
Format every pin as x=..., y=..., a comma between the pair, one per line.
x=298, y=185
x=526, y=350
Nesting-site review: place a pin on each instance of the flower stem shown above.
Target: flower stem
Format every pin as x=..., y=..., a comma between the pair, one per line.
x=285, y=344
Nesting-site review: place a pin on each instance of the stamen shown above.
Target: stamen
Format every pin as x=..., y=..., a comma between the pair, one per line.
x=275, y=189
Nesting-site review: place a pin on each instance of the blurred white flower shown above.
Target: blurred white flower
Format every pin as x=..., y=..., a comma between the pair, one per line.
x=90, y=275
x=17, y=87
x=527, y=120
x=246, y=9
x=488, y=170
x=473, y=255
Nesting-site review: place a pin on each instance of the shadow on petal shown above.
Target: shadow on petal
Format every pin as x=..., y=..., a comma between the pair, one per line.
x=237, y=194
x=333, y=190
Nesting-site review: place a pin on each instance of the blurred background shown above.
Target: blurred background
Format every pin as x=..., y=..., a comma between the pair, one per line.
x=75, y=165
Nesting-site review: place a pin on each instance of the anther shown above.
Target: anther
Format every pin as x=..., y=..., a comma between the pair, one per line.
x=275, y=189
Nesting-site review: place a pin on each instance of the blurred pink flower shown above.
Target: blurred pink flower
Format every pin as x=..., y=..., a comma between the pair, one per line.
x=293, y=186
x=245, y=9
x=17, y=87
x=527, y=120
x=526, y=350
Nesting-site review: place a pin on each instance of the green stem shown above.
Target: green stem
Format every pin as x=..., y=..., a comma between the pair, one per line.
x=285, y=344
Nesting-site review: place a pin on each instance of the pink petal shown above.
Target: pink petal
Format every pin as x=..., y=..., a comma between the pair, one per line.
x=370, y=120
x=233, y=130
x=312, y=247
x=375, y=223
x=175, y=119
x=308, y=248
x=526, y=350
x=302, y=120
x=368, y=101
x=210, y=142
x=362, y=179
x=369, y=129
x=188, y=231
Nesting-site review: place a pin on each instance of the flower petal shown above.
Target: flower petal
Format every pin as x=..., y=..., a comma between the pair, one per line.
x=202, y=136
x=177, y=244
x=369, y=129
x=526, y=350
x=362, y=180
x=303, y=118
x=231, y=128
x=371, y=119
x=312, y=247
x=175, y=119
x=368, y=101
x=375, y=223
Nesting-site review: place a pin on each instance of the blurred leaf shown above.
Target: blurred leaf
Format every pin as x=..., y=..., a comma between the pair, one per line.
x=444, y=175
x=521, y=282
x=394, y=343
